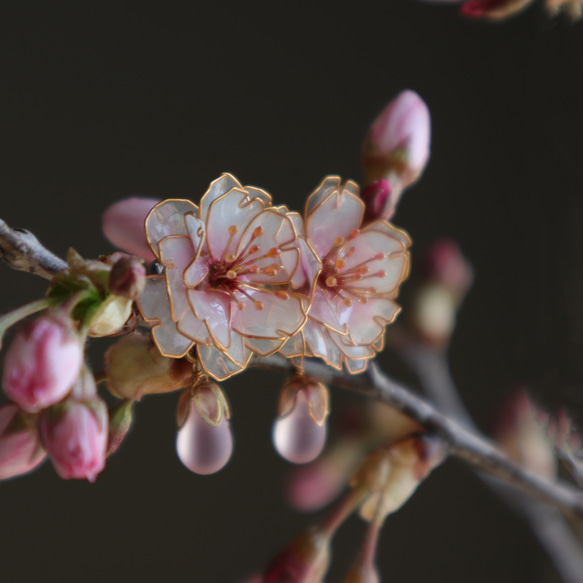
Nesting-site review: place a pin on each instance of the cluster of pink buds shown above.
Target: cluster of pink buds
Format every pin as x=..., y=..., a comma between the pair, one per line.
x=55, y=407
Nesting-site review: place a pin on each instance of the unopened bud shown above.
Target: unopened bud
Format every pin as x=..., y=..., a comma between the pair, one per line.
x=306, y=560
x=494, y=9
x=127, y=277
x=135, y=367
x=204, y=442
x=378, y=201
x=523, y=438
x=120, y=422
x=42, y=363
x=75, y=435
x=299, y=432
x=123, y=225
x=393, y=473
x=113, y=314
x=20, y=448
x=397, y=144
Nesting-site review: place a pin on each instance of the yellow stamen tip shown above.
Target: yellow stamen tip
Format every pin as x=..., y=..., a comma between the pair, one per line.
x=231, y=274
x=233, y=230
x=259, y=305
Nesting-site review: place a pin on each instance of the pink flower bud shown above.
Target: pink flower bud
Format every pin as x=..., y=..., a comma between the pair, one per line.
x=127, y=277
x=299, y=433
x=494, y=9
x=123, y=225
x=42, y=363
x=75, y=435
x=20, y=448
x=204, y=442
x=397, y=144
x=378, y=201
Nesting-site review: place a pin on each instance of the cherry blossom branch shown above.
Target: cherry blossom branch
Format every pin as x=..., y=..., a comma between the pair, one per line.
x=463, y=443
x=548, y=526
x=22, y=251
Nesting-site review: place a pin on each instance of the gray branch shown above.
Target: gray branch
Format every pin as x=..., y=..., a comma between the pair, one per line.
x=22, y=251
x=463, y=443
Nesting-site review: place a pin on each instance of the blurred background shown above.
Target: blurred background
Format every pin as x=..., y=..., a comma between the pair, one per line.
x=99, y=101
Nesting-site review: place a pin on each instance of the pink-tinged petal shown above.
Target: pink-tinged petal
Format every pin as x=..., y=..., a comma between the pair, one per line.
x=322, y=192
x=195, y=228
x=123, y=225
x=196, y=272
x=350, y=349
x=167, y=218
x=154, y=306
x=237, y=351
x=215, y=309
x=228, y=216
x=309, y=268
x=329, y=310
x=265, y=315
x=321, y=345
x=217, y=188
x=153, y=300
x=391, y=230
x=278, y=233
x=383, y=274
x=254, y=192
x=355, y=366
x=194, y=328
x=333, y=220
x=216, y=364
x=263, y=347
x=296, y=346
x=176, y=254
x=368, y=320
x=298, y=222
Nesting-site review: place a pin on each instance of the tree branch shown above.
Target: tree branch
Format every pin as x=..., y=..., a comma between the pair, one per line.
x=465, y=444
x=22, y=251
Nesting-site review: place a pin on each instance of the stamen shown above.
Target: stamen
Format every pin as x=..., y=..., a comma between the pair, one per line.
x=350, y=251
x=273, y=252
x=241, y=306
x=258, y=232
x=331, y=281
x=230, y=257
x=231, y=274
x=338, y=241
x=253, y=249
x=233, y=230
x=272, y=270
x=282, y=295
x=259, y=305
x=353, y=234
x=340, y=263
x=347, y=302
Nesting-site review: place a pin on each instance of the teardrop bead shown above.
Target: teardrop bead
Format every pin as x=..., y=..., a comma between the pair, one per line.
x=202, y=447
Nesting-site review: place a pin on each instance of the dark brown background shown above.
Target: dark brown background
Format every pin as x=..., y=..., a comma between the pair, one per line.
x=104, y=101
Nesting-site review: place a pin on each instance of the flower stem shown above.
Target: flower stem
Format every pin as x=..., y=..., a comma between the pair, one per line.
x=9, y=319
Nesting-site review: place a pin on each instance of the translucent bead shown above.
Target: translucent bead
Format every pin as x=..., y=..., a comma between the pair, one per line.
x=202, y=447
x=297, y=436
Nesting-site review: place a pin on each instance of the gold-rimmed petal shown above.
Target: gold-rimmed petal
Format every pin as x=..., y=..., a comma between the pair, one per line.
x=216, y=189
x=167, y=218
x=328, y=185
x=176, y=253
x=216, y=364
x=214, y=307
x=263, y=346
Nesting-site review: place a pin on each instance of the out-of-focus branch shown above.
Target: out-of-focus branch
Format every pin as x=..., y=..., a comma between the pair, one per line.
x=463, y=443
x=22, y=251
x=549, y=527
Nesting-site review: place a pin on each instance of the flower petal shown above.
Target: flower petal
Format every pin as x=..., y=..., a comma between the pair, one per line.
x=233, y=209
x=320, y=343
x=216, y=364
x=265, y=315
x=262, y=346
x=194, y=328
x=214, y=308
x=323, y=191
x=279, y=233
x=334, y=218
x=167, y=218
x=195, y=228
x=217, y=188
x=368, y=321
x=238, y=352
x=309, y=268
x=176, y=253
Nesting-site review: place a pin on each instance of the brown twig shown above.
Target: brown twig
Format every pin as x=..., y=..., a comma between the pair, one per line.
x=465, y=444
x=22, y=251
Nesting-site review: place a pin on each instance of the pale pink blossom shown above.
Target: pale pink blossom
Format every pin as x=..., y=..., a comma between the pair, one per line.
x=42, y=363
x=361, y=271
x=123, y=225
x=75, y=435
x=397, y=144
x=227, y=265
x=20, y=448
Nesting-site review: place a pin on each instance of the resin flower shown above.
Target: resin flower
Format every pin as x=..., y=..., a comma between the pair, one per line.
x=227, y=269
x=361, y=271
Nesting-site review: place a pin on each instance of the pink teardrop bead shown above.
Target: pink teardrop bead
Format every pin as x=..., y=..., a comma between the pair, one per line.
x=201, y=447
x=296, y=436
